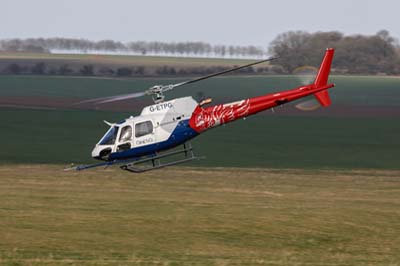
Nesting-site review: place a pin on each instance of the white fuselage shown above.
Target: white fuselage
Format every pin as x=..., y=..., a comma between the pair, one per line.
x=154, y=125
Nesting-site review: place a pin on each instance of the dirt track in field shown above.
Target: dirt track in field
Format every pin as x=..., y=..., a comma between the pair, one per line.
x=135, y=106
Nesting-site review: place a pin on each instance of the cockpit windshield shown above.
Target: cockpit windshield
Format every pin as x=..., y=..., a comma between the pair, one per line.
x=110, y=137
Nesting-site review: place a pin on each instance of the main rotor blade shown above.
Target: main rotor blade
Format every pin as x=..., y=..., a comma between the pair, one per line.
x=113, y=98
x=223, y=72
x=161, y=88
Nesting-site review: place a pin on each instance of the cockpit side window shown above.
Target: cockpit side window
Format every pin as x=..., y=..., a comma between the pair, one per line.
x=126, y=134
x=110, y=137
x=143, y=128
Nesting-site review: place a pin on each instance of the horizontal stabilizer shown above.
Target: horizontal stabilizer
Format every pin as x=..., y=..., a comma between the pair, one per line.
x=323, y=98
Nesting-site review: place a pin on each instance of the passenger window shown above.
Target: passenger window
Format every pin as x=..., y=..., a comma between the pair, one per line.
x=126, y=134
x=143, y=128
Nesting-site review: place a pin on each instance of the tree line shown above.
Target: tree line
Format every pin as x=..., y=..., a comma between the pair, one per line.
x=355, y=54
x=46, y=45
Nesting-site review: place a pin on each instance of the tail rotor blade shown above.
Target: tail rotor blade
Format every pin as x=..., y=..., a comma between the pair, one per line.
x=305, y=74
x=309, y=105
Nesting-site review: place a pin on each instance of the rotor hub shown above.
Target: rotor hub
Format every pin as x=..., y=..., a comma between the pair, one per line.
x=156, y=93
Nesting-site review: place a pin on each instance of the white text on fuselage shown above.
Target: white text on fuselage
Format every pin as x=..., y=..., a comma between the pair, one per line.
x=160, y=107
x=144, y=141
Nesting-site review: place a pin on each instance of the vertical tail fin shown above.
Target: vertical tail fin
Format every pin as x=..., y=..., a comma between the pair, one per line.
x=322, y=78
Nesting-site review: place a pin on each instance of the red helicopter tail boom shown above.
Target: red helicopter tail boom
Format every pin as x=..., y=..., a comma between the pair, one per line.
x=203, y=119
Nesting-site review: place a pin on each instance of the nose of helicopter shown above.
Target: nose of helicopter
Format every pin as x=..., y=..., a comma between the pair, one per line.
x=96, y=152
x=101, y=152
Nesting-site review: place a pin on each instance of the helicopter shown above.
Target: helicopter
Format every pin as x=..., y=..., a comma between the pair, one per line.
x=152, y=139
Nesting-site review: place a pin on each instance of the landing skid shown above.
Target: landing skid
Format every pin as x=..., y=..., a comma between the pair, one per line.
x=155, y=162
x=146, y=164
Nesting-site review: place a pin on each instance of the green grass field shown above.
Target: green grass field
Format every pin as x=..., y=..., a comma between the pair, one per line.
x=318, y=189
x=354, y=90
x=42, y=136
x=198, y=216
x=268, y=139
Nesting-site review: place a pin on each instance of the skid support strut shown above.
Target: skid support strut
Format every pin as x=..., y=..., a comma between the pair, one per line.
x=156, y=161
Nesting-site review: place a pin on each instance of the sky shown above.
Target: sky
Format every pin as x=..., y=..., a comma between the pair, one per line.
x=229, y=22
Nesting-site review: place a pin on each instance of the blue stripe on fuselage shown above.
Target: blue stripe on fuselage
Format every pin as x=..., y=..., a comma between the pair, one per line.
x=182, y=133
